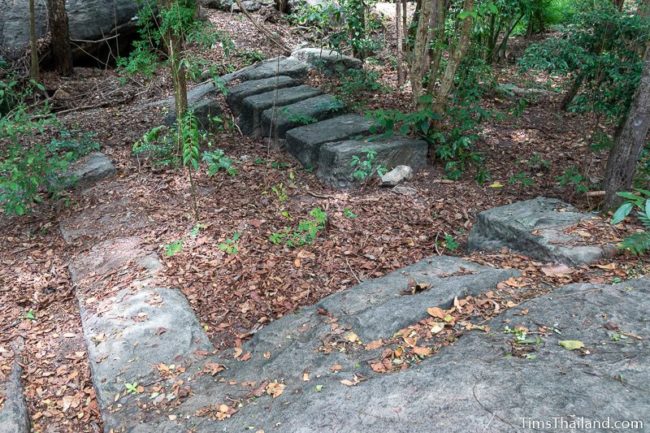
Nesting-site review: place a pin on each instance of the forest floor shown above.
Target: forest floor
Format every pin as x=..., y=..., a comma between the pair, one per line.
x=234, y=294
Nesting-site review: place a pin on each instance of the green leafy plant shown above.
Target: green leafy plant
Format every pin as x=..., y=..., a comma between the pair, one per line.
x=30, y=315
x=450, y=243
x=573, y=177
x=305, y=233
x=194, y=232
x=365, y=166
x=536, y=162
x=521, y=179
x=217, y=160
x=299, y=118
x=173, y=248
x=280, y=192
x=231, y=245
x=158, y=146
x=349, y=214
x=131, y=388
x=638, y=243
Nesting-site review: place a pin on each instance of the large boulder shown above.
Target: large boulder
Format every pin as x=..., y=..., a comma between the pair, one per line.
x=87, y=20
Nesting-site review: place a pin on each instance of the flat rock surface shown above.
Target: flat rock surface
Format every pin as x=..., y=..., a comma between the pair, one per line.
x=129, y=335
x=479, y=379
x=539, y=228
x=110, y=255
x=334, y=162
x=250, y=119
x=304, y=142
x=14, y=417
x=90, y=169
x=279, y=120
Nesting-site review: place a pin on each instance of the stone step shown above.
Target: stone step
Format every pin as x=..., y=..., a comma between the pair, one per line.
x=250, y=118
x=304, y=142
x=288, y=66
x=238, y=92
x=277, y=121
x=537, y=228
x=14, y=417
x=335, y=159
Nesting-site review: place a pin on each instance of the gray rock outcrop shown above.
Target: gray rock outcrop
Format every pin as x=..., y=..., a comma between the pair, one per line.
x=87, y=20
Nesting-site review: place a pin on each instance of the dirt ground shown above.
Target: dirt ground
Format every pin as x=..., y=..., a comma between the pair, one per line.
x=235, y=294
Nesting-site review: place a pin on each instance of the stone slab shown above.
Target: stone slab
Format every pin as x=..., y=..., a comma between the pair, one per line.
x=91, y=169
x=238, y=92
x=110, y=255
x=250, y=119
x=288, y=66
x=128, y=335
x=329, y=61
x=14, y=417
x=277, y=121
x=335, y=159
x=304, y=142
x=536, y=228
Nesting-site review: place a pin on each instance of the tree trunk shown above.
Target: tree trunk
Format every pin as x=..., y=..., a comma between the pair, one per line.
x=33, y=46
x=398, y=31
x=624, y=156
x=61, y=50
x=455, y=58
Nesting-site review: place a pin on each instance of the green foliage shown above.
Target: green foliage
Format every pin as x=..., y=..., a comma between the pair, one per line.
x=355, y=82
x=217, y=160
x=342, y=24
x=280, y=192
x=450, y=243
x=365, y=166
x=299, y=118
x=30, y=315
x=347, y=212
x=305, y=233
x=190, y=137
x=231, y=245
x=159, y=146
x=521, y=179
x=573, y=177
x=179, y=19
x=600, y=47
x=536, y=162
x=30, y=166
x=173, y=248
x=196, y=230
x=455, y=144
x=638, y=243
